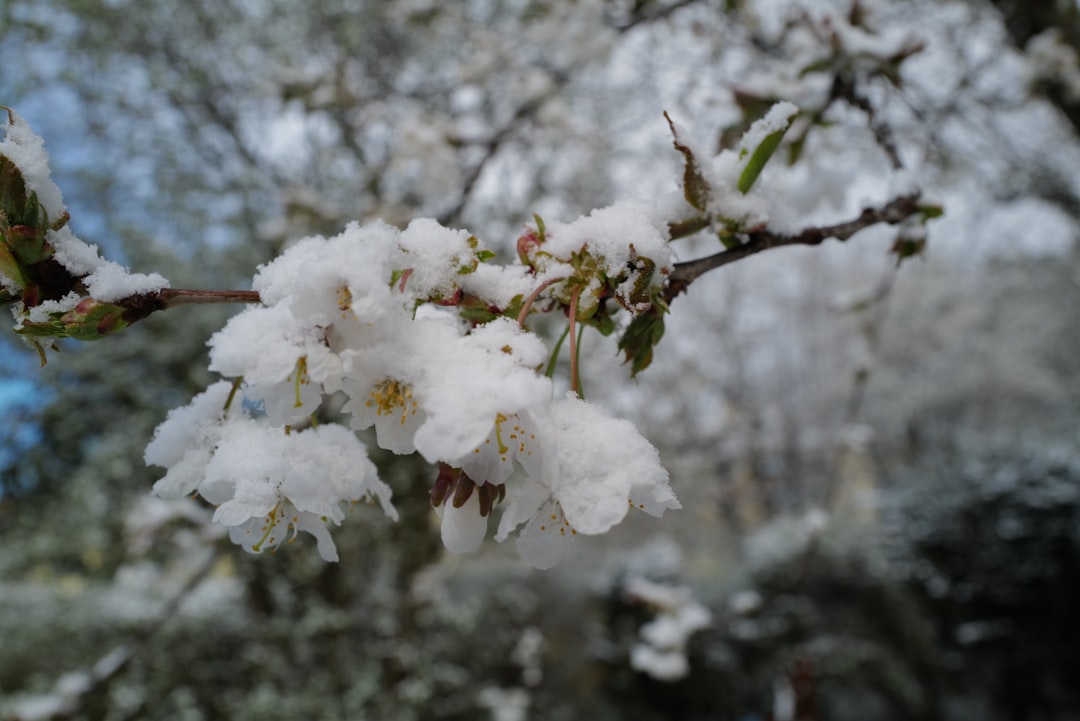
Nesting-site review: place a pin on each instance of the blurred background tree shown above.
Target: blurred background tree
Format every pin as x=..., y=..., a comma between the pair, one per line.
x=837, y=430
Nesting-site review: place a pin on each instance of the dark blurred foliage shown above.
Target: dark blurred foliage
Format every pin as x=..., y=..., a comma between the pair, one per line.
x=992, y=548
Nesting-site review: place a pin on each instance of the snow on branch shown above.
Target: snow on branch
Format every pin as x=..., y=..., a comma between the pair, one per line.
x=895, y=212
x=428, y=341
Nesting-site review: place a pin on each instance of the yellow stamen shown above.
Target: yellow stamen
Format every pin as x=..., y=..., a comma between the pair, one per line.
x=257, y=547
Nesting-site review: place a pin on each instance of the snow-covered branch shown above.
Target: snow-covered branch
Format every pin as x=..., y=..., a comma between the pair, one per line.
x=428, y=340
x=898, y=210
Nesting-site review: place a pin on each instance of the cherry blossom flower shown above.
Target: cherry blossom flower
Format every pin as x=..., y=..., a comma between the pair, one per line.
x=463, y=497
x=594, y=469
x=391, y=407
x=263, y=482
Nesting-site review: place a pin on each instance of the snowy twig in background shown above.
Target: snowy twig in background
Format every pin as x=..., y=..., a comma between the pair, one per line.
x=67, y=698
x=661, y=650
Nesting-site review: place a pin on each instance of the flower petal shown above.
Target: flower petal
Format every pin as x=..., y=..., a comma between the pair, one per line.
x=463, y=529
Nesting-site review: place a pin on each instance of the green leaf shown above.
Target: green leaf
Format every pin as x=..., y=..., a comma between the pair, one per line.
x=539, y=227
x=930, y=212
x=682, y=228
x=603, y=322
x=643, y=333
x=759, y=158
x=12, y=191
x=695, y=187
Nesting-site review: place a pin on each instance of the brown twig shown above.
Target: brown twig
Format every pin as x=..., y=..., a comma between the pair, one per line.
x=170, y=297
x=141, y=305
x=892, y=213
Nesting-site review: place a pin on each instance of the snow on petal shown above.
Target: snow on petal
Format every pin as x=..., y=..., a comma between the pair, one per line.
x=265, y=483
x=312, y=272
x=601, y=460
x=547, y=537
x=616, y=235
x=183, y=427
x=525, y=500
x=437, y=258
x=470, y=380
x=263, y=344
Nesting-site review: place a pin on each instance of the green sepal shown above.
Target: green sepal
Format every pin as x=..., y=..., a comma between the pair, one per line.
x=89, y=320
x=12, y=192
x=513, y=310
x=476, y=314
x=92, y=319
x=10, y=268
x=48, y=329
x=27, y=244
x=476, y=310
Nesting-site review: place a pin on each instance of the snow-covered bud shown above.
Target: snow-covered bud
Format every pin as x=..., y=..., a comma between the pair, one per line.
x=527, y=242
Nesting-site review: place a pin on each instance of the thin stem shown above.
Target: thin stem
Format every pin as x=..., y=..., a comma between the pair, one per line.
x=550, y=371
x=892, y=213
x=577, y=352
x=532, y=299
x=170, y=297
x=575, y=381
x=232, y=393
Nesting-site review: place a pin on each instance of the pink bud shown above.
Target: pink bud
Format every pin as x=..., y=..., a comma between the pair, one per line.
x=526, y=243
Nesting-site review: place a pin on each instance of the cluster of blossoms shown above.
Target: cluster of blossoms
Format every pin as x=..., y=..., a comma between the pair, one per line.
x=424, y=339
x=427, y=342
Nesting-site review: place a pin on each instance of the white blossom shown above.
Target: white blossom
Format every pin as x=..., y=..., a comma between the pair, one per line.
x=264, y=483
x=364, y=313
x=592, y=470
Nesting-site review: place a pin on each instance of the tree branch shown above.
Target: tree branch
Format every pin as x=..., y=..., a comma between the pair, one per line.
x=892, y=213
x=141, y=305
x=170, y=297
